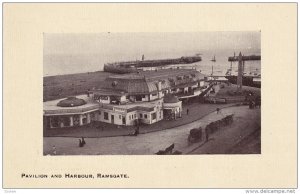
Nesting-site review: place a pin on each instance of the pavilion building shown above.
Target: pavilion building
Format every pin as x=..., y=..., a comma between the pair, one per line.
x=128, y=99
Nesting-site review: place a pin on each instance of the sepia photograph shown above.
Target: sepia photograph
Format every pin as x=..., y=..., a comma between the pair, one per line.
x=150, y=95
x=160, y=93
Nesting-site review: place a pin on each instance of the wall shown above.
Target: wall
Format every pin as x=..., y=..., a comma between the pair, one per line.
x=149, y=120
x=146, y=99
x=173, y=105
x=201, y=83
x=131, y=98
x=143, y=119
x=197, y=92
x=160, y=94
x=152, y=97
x=123, y=98
x=68, y=122
x=131, y=118
x=117, y=116
x=175, y=90
x=105, y=101
x=186, y=89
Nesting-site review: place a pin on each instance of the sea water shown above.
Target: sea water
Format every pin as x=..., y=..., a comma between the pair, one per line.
x=80, y=53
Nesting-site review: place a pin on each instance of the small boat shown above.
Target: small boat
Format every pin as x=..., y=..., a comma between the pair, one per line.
x=213, y=59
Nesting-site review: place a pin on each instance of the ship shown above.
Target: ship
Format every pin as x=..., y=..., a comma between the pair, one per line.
x=252, y=79
x=213, y=59
x=132, y=66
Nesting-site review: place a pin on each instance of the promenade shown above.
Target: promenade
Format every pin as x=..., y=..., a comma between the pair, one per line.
x=222, y=141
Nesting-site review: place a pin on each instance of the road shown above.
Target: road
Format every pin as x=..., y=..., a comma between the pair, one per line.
x=145, y=144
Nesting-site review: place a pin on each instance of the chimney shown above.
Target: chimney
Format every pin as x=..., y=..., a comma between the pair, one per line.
x=159, y=86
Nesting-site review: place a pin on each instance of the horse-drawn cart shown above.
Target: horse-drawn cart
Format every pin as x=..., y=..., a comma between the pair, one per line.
x=195, y=135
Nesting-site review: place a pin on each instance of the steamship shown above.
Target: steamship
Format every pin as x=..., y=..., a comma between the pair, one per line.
x=252, y=79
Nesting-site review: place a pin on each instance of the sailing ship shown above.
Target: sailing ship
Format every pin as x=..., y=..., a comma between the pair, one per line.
x=213, y=59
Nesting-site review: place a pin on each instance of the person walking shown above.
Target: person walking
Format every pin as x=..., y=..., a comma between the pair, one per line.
x=206, y=135
x=137, y=130
x=54, y=150
x=82, y=141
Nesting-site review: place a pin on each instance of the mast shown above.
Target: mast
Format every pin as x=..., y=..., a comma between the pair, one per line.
x=213, y=59
x=240, y=73
x=212, y=66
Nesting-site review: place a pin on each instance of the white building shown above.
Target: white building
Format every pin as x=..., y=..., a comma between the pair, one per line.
x=145, y=97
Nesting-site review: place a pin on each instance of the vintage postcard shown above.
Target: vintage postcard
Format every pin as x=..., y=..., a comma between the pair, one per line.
x=150, y=95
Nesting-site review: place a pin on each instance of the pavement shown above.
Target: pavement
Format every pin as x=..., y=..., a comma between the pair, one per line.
x=150, y=143
x=241, y=137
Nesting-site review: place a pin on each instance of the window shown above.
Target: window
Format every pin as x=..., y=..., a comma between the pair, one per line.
x=145, y=116
x=103, y=98
x=141, y=115
x=153, y=116
x=138, y=98
x=105, y=115
x=120, y=116
x=135, y=116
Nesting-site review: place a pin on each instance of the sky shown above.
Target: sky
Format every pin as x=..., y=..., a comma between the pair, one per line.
x=75, y=53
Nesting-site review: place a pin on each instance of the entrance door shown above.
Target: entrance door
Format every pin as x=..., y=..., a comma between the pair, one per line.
x=112, y=119
x=123, y=120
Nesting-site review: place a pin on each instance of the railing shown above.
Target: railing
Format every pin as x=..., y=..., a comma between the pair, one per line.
x=196, y=91
x=140, y=108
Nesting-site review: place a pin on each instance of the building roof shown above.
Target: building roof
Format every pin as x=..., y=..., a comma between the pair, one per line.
x=107, y=92
x=51, y=108
x=129, y=84
x=147, y=81
x=167, y=73
x=169, y=98
x=71, y=102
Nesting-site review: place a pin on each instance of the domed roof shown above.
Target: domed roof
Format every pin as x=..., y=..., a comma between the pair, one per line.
x=71, y=102
x=132, y=84
x=169, y=98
